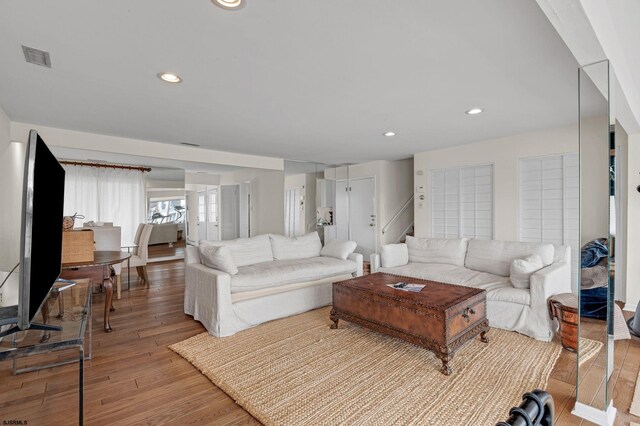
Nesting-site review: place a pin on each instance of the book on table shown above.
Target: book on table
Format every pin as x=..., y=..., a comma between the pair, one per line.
x=405, y=286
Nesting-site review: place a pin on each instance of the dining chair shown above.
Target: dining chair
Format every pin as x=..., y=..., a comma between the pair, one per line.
x=140, y=257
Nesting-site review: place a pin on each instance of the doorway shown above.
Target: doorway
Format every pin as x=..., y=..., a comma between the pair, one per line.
x=355, y=213
x=230, y=208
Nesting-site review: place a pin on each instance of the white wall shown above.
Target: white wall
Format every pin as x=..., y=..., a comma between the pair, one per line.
x=267, y=198
x=192, y=180
x=633, y=222
x=11, y=170
x=504, y=154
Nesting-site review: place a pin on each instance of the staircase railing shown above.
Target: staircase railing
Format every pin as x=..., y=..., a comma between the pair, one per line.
x=397, y=215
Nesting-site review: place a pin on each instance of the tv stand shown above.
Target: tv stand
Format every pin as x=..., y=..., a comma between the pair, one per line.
x=33, y=326
x=65, y=325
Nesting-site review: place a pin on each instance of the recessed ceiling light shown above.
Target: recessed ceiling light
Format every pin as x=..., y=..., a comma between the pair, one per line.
x=169, y=77
x=229, y=4
x=389, y=134
x=474, y=111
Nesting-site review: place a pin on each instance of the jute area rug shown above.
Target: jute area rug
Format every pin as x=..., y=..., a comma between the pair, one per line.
x=588, y=349
x=297, y=371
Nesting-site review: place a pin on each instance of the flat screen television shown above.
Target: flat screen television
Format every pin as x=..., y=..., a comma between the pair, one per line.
x=41, y=228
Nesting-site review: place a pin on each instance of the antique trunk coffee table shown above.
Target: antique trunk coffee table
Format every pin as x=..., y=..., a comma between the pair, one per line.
x=441, y=317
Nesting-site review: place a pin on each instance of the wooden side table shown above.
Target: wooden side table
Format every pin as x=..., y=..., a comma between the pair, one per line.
x=99, y=270
x=564, y=307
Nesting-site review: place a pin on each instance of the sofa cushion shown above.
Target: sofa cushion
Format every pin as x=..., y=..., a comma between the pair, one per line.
x=521, y=270
x=217, y=257
x=247, y=251
x=498, y=288
x=301, y=247
x=282, y=272
x=495, y=257
x=394, y=255
x=338, y=249
x=434, y=250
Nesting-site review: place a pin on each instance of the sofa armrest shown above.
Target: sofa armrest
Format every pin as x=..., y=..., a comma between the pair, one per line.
x=549, y=281
x=207, y=296
x=375, y=262
x=358, y=258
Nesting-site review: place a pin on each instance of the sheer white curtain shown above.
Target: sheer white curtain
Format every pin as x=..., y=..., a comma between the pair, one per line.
x=106, y=195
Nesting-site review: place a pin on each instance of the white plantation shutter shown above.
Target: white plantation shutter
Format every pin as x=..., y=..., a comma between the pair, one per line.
x=462, y=202
x=549, y=202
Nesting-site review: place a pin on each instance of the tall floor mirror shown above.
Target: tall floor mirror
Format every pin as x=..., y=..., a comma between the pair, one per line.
x=597, y=234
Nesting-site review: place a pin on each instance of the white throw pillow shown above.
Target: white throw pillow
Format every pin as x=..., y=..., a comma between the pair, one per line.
x=338, y=249
x=436, y=250
x=302, y=247
x=495, y=257
x=217, y=257
x=392, y=255
x=521, y=270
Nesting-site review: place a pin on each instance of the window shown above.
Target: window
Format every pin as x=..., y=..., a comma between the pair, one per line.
x=462, y=202
x=166, y=211
x=550, y=202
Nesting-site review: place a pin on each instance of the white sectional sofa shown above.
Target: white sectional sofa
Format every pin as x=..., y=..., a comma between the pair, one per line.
x=487, y=264
x=233, y=285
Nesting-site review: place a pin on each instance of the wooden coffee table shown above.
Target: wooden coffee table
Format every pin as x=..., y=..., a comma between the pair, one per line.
x=441, y=317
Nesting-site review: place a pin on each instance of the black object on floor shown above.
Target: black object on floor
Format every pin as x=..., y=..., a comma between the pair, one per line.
x=634, y=326
x=536, y=409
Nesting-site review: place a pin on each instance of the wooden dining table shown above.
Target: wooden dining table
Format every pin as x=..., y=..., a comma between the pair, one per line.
x=98, y=270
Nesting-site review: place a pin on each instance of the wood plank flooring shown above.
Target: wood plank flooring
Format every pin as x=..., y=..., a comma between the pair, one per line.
x=135, y=379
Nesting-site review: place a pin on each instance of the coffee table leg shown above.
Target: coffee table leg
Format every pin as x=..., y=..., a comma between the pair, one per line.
x=483, y=335
x=334, y=317
x=446, y=370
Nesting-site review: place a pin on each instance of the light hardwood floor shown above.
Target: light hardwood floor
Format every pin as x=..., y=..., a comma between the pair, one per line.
x=135, y=379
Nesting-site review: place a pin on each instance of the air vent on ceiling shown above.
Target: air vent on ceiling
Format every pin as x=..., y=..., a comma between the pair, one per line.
x=188, y=144
x=35, y=56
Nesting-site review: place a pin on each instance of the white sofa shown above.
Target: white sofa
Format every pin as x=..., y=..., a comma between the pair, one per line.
x=486, y=264
x=276, y=277
x=163, y=233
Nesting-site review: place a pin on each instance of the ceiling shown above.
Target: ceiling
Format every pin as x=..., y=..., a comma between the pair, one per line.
x=297, y=79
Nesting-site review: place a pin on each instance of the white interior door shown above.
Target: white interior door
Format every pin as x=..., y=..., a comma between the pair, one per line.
x=362, y=215
x=202, y=215
x=229, y=212
x=341, y=211
x=213, y=232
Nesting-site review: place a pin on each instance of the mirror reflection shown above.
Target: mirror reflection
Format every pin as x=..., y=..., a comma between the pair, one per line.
x=598, y=228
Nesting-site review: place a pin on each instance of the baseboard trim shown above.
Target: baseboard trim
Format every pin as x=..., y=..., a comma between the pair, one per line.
x=630, y=308
x=165, y=258
x=600, y=417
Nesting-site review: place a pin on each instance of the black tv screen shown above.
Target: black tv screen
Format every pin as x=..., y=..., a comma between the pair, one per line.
x=41, y=240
